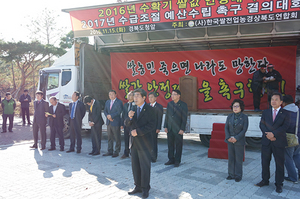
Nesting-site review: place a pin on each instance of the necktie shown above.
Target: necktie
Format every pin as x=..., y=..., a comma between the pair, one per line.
x=73, y=110
x=138, y=111
x=274, y=115
x=111, y=103
x=129, y=106
x=91, y=108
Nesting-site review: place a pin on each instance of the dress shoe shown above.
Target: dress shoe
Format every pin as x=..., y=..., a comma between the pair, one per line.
x=115, y=155
x=145, y=194
x=33, y=147
x=229, y=178
x=61, y=149
x=43, y=149
x=51, y=149
x=78, y=151
x=11, y=131
x=69, y=151
x=23, y=124
x=169, y=163
x=91, y=153
x=29, y=124
x=135, y=190
x=96, y=153
x=279, y=188
x=176, y=164
x=107, y=154
x=238, y=179
x=3, y=132
x=124, y=156
x=262, y=183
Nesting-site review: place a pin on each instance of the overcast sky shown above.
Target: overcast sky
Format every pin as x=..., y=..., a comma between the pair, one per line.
x=15, y=14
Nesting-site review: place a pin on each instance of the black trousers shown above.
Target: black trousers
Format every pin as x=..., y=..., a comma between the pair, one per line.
x=59, y=132
x=96, y=135
x=256, y=98
x=175, y=142
x=42, y=128
x=126, y=140
x=25, y=111
x=11, y=122
x=154, y=146
x=141, y=167
x=75, y=134
x=266, y=155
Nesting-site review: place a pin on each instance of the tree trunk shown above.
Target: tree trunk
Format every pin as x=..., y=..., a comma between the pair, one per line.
x=13, y=74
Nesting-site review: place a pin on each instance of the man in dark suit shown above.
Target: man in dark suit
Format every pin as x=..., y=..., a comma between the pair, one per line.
x=158, y=110
x=142, y=124
x=274, y=123
x=126, y=108
x=77, y=111
x=40, y=119
x=256, y=86
x=56, y=123
x=175, y=123
x=95, y=122
x=113, y=109
x=25, y=99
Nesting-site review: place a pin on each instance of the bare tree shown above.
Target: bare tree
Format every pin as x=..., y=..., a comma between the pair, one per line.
x=45, y=30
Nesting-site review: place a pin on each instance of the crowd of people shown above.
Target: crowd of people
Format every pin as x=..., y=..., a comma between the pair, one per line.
x=142, y=122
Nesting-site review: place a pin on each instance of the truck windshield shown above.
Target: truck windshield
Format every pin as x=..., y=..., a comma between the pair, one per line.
x=53, y=81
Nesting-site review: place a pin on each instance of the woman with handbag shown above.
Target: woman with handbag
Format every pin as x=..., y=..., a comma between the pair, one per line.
x=235, y=129
x=292, y=151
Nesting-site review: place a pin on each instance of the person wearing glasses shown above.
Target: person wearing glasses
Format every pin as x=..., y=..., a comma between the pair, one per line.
x=235, y=129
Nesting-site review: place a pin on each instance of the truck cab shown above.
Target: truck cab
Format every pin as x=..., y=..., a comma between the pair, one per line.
x=61, y=80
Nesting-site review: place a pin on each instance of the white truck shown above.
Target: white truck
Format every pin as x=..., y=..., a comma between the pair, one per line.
x=88, y=68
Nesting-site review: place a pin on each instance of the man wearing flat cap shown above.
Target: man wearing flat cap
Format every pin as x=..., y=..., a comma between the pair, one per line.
x=257, y=84
x=272, y=80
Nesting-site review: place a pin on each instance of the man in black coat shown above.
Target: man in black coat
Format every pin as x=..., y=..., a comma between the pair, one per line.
x=25, y=99
x=273, y=78
x=274, y=123
x=56, y=123
x=77, y=111
x=175, y=123
x=158, y=110
x=142, y=124
x=126, y=108
x=95, y=122
x=41, y=107
x=256, y=86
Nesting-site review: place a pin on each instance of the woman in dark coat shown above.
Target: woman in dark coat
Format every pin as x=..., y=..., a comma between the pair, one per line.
x=235, y=129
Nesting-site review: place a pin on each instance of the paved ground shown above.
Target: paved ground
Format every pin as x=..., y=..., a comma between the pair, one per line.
x=27, y=173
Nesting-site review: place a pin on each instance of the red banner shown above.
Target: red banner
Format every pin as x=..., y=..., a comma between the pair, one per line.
x=223, y=75
x=176, y=14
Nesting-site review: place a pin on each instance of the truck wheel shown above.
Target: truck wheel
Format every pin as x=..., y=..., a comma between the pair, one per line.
x=254, y=141
x=205, y=139
x=66, y=129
